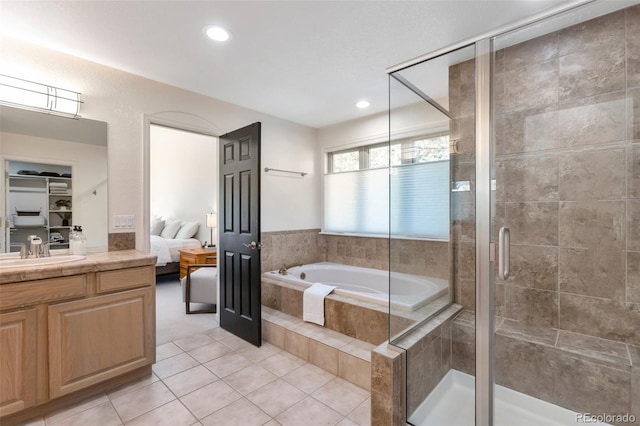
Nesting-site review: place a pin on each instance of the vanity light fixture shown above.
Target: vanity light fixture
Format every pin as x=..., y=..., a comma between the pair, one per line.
x=217, y=33
x=25, y=94
x=363, y=104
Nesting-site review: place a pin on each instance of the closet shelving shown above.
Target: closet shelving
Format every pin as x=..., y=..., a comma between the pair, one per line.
x=51, y=196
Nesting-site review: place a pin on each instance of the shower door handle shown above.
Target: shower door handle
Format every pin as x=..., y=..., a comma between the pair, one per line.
x=504, y=240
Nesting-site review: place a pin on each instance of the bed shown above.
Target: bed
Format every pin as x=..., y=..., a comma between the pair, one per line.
x=167, y=244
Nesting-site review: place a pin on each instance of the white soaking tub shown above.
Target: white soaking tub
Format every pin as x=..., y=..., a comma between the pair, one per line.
x=408, y=292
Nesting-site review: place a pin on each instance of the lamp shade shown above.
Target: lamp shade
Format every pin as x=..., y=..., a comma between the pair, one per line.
x=25, y=94
x=212, y=220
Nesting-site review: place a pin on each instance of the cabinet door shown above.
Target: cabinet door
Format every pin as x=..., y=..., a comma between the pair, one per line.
x=17, y=361
x=91, y=340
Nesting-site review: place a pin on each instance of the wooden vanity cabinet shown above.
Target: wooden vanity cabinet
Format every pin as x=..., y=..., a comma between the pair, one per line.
x=60, y=337
x=18, y=361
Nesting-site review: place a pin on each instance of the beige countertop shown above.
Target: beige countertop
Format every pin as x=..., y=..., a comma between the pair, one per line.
x=94, y=262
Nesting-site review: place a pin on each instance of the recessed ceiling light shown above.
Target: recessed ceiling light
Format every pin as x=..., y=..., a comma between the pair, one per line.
x=217, y=33
x=363, y=104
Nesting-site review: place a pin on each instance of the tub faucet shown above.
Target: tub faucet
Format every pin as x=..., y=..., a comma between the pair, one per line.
x=284, y=269
x=23, y=249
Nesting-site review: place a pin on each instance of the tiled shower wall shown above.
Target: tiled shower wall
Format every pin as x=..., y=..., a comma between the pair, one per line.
x=429, y=258
x=567, y=137
x=568, y=172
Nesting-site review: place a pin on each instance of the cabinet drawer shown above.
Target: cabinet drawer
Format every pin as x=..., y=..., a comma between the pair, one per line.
x=124, y=278
x=42, y=291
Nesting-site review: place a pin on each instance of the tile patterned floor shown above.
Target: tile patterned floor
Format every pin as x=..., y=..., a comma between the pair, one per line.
x=215, y=378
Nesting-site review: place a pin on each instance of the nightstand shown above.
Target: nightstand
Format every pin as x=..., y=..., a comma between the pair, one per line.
x=196, y=255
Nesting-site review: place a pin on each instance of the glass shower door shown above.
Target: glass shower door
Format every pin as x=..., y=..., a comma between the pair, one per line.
x=566, y=215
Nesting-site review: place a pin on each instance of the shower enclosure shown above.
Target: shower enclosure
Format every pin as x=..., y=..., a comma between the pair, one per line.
x=521, y=152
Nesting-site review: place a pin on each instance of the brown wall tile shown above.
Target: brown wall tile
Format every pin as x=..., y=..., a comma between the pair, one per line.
x=537, y=90
x=531, y=178
x=597, y=272
x=601, y=318
x=583, y=386
x=633, y=171
x=633, y=225
x=524, y=367
x=534, y=267
x=633, y=277
x=540, y=49
x=592, y=224
x=634, y=105
x=592, y=57
x=592, y=121
x=122, y=241
x=533, y=223
x=592, y=175
x=463, y=344
x=633, y=45
x=530, y=130
x=635, y=396
x=289, y=248
x=532, y=306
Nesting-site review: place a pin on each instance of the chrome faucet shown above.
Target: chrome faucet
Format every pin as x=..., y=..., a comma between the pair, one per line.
x=285, y=269
x=23, y=249
x=36, y=248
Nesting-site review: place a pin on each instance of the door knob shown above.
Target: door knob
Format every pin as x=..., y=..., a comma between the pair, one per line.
x=253, y=245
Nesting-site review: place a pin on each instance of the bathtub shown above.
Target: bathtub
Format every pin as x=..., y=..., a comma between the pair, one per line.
x=409, y=292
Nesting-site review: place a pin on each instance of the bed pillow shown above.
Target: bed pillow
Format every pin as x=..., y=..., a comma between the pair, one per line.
x=171, y=228
x=157, y=225
x=188, y=230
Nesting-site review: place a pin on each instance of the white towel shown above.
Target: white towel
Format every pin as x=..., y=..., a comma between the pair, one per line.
x=313, y=302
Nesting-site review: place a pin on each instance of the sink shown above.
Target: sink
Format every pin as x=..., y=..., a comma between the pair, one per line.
x=40, y=261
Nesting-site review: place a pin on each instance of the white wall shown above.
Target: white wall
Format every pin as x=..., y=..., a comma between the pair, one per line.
x=89, y=171
x=122, y=100
x=183, y=176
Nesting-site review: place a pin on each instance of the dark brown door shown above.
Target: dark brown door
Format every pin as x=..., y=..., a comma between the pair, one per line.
x=239, y=225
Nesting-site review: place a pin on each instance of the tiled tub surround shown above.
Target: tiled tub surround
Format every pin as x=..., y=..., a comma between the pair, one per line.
x=285, y=248
x=354, y=318
x=575, y=371
x=418, y=257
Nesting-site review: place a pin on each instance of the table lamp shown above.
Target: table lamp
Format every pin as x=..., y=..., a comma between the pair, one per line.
x=212, y=221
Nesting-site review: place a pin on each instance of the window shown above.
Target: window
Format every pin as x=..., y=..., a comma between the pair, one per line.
x=414, y=171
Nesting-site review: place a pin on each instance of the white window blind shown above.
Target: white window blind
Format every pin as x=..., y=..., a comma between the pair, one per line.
x=420, y=200
x=357, y=202
x=410, y=199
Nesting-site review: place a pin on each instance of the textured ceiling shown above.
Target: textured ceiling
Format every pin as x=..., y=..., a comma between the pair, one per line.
x=305, y=61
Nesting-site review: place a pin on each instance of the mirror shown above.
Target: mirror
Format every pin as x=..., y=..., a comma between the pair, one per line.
x=39, y=152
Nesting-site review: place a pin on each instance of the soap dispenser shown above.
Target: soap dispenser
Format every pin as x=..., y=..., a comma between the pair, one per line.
x=72, y=240
x=80, y=245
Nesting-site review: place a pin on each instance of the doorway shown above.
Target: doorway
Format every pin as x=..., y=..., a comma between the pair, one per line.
x=182, y=191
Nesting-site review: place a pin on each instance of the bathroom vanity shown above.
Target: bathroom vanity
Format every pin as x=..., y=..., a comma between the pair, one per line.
x=73, y=329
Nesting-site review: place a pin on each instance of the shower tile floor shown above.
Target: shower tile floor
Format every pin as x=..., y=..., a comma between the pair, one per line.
x=215, y=378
